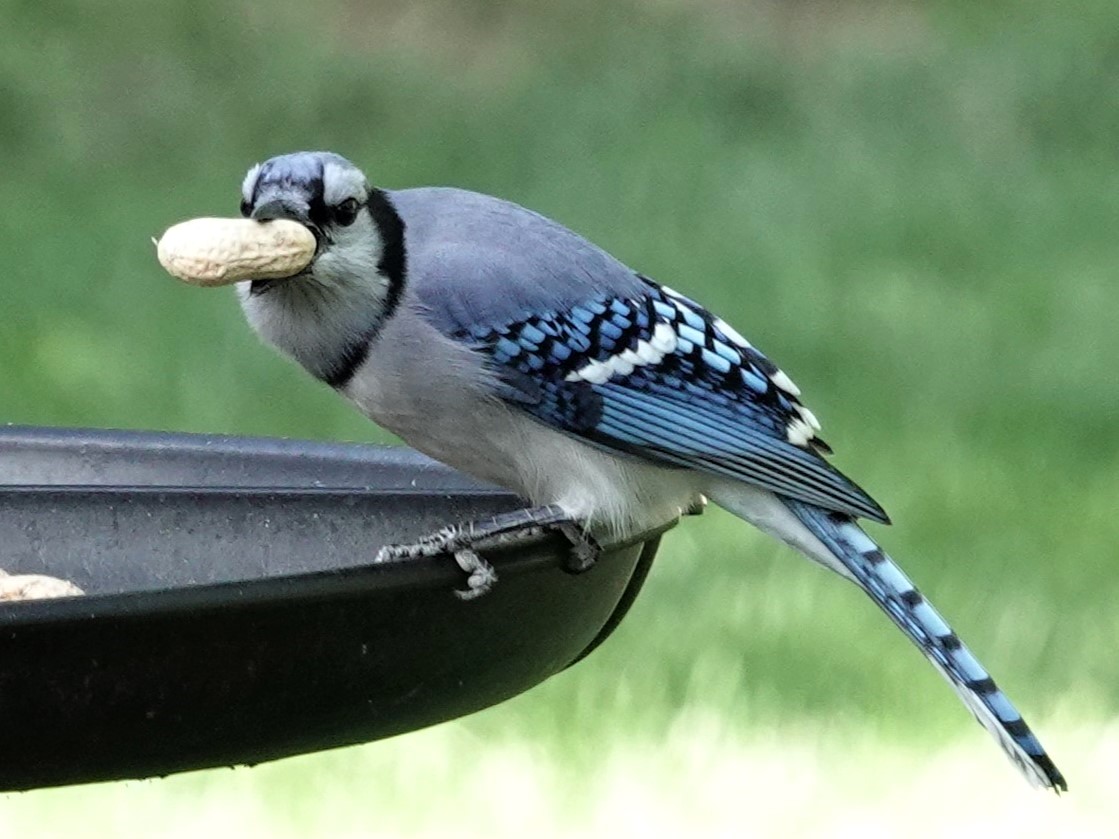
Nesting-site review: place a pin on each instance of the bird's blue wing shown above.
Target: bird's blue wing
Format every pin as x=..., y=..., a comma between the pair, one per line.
x=657, y=376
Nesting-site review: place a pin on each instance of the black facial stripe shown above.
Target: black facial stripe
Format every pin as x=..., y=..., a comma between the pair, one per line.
x=317, y=209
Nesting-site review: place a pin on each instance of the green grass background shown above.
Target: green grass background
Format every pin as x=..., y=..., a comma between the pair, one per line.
x=911, y=207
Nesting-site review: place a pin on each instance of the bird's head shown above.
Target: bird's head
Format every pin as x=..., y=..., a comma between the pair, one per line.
x=357, y=274
x=357, y=233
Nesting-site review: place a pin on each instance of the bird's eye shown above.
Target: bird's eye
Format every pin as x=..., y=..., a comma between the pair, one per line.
x=346, y=212
x=246, y=208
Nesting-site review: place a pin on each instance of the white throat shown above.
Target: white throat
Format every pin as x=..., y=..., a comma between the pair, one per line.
x=318, y=316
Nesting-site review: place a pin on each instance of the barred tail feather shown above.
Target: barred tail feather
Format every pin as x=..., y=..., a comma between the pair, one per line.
x=881, y=578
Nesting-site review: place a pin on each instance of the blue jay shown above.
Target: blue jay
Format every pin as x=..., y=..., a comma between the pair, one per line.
x=499, y=342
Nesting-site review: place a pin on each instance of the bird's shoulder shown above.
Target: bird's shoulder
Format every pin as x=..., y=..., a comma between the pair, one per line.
x=474, y=259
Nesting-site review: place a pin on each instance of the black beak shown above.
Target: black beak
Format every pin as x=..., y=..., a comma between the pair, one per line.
x=282, y=208
x=279, y=208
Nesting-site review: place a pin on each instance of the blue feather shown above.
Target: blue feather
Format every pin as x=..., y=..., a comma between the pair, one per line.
x=705, y=404
x=888, y=586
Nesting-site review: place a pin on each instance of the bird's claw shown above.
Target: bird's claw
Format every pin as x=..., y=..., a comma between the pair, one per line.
x=505, y=530
x=480, y=578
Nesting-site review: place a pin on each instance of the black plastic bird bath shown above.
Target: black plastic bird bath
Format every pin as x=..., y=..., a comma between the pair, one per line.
x=233, y=614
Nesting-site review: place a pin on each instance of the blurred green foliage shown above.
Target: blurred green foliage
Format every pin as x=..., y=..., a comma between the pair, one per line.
x=911, y=207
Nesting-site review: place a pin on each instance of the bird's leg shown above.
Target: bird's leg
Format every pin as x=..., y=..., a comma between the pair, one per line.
x=512, y=529
x=584, y=549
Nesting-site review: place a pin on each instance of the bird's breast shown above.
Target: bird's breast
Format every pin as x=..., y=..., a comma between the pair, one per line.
x=438, y=398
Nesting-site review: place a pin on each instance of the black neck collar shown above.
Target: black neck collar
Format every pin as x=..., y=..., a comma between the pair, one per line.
x=393, y=267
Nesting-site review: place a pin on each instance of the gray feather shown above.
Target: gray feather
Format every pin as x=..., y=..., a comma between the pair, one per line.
x=476, y=260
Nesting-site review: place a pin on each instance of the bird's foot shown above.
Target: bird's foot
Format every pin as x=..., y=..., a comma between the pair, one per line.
x=505, y=530
x=480, y=575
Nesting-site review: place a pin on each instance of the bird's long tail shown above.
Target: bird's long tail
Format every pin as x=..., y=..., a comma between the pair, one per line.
x=880, y=577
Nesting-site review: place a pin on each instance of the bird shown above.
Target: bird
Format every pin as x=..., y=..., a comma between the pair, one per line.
x=507, y=346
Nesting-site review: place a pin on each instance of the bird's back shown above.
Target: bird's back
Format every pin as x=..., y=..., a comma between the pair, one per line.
x=479, y=245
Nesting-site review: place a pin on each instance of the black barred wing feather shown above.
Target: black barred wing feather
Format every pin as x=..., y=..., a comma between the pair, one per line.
x=659, y=377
